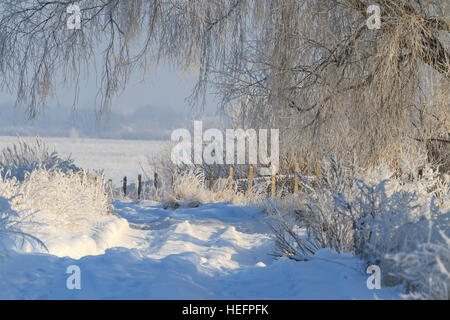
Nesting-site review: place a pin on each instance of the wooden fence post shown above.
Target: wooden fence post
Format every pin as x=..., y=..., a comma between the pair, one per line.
x=250, y=178
x=211, y=179
x=110, y=187
x=230, y=179
x=139, y=186
x=155, y=181
x=273, y=182
x=174, y=179
x=125, y=186
x=297, y=169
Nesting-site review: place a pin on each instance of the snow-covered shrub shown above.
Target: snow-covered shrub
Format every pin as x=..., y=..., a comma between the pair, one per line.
x=67, y=200
x=189, y=184
x=190, y=188
x=288, y=229
x=397, y=221
x=310, y=220
x=425, y=269
x=404, y=220
x=39, y=180
x=57, y=208
x=48, y=195
x=24, y=157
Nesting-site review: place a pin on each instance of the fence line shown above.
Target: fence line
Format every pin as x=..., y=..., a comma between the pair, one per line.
x=271, y=181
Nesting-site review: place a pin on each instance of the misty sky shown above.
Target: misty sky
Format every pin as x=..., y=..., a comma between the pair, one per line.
x=149, y=110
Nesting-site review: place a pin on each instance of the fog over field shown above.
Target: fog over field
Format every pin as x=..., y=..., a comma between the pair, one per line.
x=143, y=111
x=144, y=123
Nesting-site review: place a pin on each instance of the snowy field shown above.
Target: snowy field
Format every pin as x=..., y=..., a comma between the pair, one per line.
x=118, y=158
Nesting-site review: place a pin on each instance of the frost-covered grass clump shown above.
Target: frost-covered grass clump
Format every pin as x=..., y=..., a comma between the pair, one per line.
x=190, y=188
x=67, y=199
x=24, y=157
x=399, y=221
x=189, y=185
x=48, y=197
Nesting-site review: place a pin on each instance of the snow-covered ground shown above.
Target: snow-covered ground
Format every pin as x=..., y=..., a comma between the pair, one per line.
x=215, y=251
x=118, y=158
x=143, y=251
